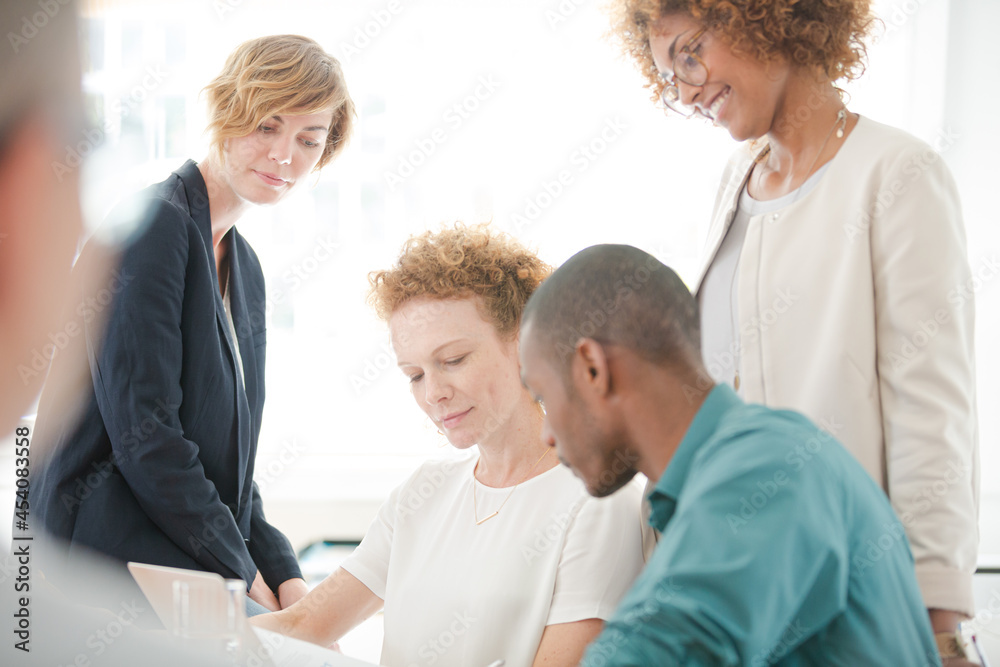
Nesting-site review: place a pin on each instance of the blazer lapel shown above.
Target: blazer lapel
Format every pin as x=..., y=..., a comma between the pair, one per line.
x=198, y=205
x=242, y=322
x=197, y=194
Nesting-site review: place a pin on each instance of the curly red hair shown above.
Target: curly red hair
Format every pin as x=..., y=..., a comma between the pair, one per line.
x=458, y=262
x=827, y=36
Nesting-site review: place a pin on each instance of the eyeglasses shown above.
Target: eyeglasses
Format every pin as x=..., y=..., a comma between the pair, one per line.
x=688, y=68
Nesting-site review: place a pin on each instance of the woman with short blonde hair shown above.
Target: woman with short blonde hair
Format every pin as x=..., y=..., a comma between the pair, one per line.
x=178, y=375
x=269, y=76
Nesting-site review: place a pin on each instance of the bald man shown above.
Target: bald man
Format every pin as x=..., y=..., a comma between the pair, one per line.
x=776, y=545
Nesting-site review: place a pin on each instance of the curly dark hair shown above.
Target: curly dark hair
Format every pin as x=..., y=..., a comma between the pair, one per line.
x=827, y=36
x=461, y=261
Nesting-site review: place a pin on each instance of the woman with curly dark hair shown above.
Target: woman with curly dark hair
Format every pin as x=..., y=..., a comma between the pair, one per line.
x=835, y=259
x=500, y=553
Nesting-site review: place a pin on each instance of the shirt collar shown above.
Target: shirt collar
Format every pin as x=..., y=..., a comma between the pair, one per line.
x=663, y=498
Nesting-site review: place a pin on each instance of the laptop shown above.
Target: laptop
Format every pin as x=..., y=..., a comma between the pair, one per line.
x=271, y=648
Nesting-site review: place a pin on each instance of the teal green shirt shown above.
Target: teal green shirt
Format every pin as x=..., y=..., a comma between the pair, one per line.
x=777, y=548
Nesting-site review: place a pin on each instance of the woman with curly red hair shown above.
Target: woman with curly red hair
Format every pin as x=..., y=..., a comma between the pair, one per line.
x=500, y=553
x=833, y=258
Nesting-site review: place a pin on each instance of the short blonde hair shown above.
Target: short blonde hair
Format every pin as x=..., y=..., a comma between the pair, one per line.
x=275, y=75
x=459, y=262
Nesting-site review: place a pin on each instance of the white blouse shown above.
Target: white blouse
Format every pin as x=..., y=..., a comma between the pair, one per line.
x=466, y=595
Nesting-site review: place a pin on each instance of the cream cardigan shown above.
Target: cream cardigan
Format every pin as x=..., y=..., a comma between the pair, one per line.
x=856, y=308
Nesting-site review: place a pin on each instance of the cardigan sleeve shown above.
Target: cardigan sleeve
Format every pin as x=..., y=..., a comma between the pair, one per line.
x=924, y=313
x=137, y=381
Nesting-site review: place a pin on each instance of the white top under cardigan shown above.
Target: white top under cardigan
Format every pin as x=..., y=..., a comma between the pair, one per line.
x=466, y=595
x=855, y=308
x=718, y=298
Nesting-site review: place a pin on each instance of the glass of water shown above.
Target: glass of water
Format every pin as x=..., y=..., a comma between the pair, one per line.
x=211, y=618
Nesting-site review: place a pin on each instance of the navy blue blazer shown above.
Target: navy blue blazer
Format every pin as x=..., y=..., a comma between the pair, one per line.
x=160, y=469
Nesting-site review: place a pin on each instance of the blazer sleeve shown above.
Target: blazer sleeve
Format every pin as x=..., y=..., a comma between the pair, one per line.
x=137, y=383
x=270, y=549
x=924, y=312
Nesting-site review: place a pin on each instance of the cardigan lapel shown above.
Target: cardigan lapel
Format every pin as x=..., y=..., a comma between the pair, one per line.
x=726, y=201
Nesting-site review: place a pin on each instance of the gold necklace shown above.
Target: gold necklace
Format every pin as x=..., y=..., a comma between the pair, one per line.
x=475, y=505
x=839, y=124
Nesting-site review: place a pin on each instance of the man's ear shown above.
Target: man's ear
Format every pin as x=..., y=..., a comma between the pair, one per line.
x=590, y=369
